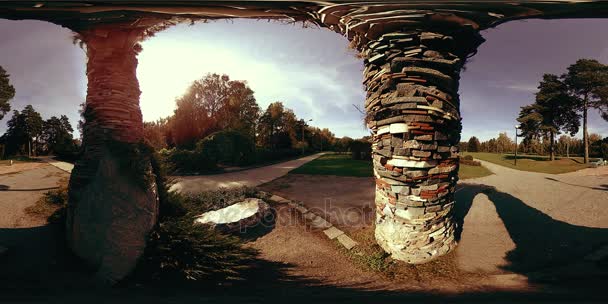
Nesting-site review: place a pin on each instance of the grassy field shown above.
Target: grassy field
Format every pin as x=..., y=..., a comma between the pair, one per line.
x=343, y=165
x=533, y=163
x=467, y=171
x=336, y=164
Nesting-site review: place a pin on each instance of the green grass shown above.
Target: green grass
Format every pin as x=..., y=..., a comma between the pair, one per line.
x=467, y=171
x=343, y=165
x=533, y=163
x=336, y=164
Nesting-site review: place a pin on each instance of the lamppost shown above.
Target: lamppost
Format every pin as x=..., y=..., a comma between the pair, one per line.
x=517, y=127
x=303, y=129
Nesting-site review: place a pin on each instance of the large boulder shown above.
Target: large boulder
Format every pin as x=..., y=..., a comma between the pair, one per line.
x=236, y=217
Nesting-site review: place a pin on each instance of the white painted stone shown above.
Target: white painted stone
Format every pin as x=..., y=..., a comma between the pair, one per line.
x=398, y=128
x=411, y=163
x=333, y=232
x=347, y=242
x=383, y=130
x=246, y=213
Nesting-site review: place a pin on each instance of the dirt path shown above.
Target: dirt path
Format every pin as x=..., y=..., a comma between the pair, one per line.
x=20, y=190
x=346, y=202
x=249, y=178
x=516, y=224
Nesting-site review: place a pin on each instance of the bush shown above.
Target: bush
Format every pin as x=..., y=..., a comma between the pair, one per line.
x=468, y=160
x=361, y=150
x=178, y=251
x=266, y=155
x=228, y=148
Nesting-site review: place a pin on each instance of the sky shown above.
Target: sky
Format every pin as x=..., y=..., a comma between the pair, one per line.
x=311, y=70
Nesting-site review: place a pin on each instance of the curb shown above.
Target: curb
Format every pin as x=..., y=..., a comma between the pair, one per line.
x=316, y=221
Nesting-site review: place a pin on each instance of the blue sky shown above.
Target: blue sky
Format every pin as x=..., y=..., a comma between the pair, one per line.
x=311, y=70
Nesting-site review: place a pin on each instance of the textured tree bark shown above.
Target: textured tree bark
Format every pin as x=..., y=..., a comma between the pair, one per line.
x=109, y=213
x=413, y=110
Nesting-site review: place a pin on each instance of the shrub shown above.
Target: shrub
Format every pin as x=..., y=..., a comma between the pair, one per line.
x=178, y=251
x=266, y=155
x=228, y=148
x=468, y=157
x=464, y=161
x=361, y=149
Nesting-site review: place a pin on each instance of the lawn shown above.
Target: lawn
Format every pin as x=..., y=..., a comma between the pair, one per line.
x=336, y=164
x=343, y=165
x=533, y=163
x=467, y=171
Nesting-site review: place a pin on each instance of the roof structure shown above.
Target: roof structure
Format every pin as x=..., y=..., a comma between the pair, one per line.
x=347, y=16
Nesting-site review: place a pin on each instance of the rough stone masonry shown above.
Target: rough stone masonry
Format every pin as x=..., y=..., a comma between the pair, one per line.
x=413, y=110
x=412, y=103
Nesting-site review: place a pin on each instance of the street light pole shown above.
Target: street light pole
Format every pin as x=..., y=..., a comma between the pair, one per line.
x=516, y=127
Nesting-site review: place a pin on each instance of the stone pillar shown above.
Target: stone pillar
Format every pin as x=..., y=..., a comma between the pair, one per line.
x=413, y=111
x=113, y=202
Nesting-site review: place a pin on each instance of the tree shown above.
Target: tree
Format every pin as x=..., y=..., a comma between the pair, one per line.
x=7, y=92
x=57, y=134
x=553, y=111
x=474, y=145
x=277, y=127
x=587, y=80
x=22, y=128
x=211, y=104
x=504, y=143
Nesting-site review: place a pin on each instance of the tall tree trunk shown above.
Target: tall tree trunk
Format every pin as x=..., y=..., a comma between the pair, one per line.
x=111, y=207
x=552, y=146
x=585, y=135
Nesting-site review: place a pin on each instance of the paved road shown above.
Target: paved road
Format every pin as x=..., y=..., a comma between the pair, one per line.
x=518, y=221
x=249, y=178
x=67, y=167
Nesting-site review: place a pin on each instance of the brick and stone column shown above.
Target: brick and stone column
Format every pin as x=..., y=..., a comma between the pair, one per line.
x=412, y=104
x=113, y=201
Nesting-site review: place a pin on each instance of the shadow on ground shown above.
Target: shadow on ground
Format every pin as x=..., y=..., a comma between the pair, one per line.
x=546, y=249
x=38, y=268
x=603, y=187
x=8, y=188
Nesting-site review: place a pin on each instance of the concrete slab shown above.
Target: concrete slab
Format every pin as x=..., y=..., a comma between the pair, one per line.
x=347, y=242
x=333, y=232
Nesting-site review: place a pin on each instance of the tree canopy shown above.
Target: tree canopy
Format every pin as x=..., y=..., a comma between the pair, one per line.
x=7, y=92
x=587, y=80
x=553, y=111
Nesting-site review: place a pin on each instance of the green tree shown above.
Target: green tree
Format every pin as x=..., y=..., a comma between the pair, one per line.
x=7, y=92
x=277, y=127
x=23, y=127
x=504, y=143
x=553, y=111
x=587, y=80
x=474, y=145
x=57, y=134
x=213, y=103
